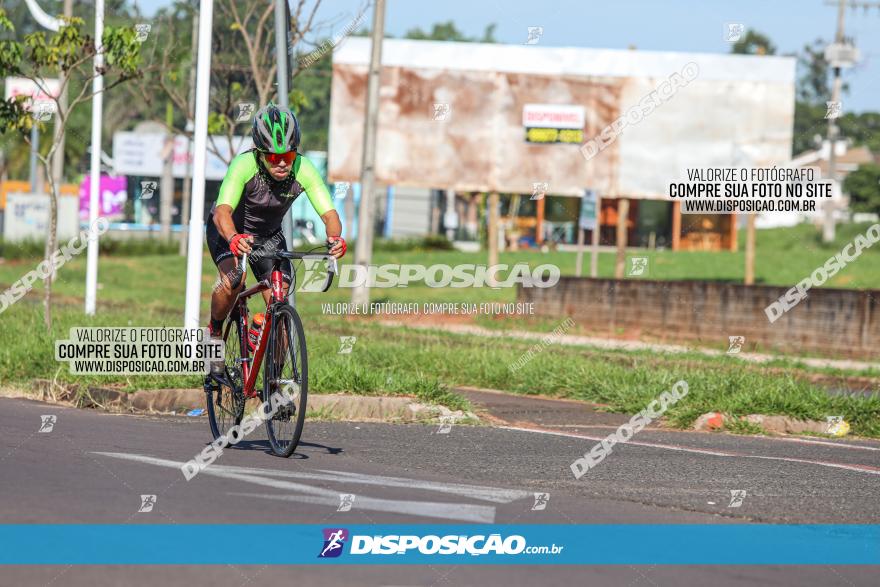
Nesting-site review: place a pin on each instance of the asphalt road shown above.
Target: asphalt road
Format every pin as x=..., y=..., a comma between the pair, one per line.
x=93, y=468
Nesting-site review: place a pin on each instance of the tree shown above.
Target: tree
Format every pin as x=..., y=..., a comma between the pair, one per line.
x=67, y=55
x=311, y=101
x=863, y=129
x=863, y=187
x=446, y=31
x=754, y=43
x=117, y=105
x=243, y=65
x=243, y=70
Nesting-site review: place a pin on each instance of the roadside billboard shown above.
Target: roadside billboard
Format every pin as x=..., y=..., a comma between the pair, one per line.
x=140, y=154
x=22, y=86
x=112, y=195
x=27, y=217
x=491, y=117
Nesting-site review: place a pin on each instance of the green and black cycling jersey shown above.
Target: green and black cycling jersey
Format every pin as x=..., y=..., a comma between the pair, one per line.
x=259, y=203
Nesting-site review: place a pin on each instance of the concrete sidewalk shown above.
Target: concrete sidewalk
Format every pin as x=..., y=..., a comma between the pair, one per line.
x=507, y=409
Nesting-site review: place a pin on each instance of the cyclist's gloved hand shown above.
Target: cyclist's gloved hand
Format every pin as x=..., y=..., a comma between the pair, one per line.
x=240, y=244
x=338, y=246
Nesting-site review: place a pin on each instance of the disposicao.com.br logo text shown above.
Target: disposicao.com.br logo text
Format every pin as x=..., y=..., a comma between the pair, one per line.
x=453, y=544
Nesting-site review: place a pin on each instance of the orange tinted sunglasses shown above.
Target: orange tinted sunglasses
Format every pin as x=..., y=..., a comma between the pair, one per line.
x=276, y=158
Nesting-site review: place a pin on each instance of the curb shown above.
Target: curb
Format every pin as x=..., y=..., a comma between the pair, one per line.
x=714, y=421
x=337, y=406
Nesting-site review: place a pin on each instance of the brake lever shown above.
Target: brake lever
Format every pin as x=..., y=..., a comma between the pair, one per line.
x=332, y=269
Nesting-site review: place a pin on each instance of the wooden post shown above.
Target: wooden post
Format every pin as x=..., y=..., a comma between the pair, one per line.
x=579, y=260
x=732, y=233
x=622, y=214
x=492, y=235
x=750, y=249
x=676, y=226
x=539, y=224
x=594, y=253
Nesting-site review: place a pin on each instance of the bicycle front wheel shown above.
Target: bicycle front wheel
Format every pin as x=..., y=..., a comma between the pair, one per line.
x=285, y=381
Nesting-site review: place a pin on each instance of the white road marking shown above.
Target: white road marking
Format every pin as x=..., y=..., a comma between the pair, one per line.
x=859, y=468
x=830, y=443
x=454, y=511
x=493, y=494
x=478, y=514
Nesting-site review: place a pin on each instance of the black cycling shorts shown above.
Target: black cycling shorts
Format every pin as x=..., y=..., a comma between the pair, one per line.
x=259, y=261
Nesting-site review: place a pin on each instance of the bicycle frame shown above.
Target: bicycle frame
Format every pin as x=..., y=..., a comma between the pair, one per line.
x=250, y=366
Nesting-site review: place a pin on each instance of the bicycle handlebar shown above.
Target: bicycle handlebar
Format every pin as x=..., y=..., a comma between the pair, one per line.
x=332, y=265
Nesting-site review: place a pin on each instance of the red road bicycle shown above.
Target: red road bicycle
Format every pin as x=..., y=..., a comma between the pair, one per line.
x=280, y=344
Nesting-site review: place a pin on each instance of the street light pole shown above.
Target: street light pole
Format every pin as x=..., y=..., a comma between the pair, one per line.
x=95, y=167
x=200, y=144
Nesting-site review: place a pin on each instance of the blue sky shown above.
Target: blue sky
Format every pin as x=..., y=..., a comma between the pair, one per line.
x=670, y=25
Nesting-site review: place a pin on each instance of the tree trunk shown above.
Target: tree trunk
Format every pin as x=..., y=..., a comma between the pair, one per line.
x=51, y=243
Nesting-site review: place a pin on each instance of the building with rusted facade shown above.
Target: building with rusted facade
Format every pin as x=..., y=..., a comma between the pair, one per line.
x=540, y=125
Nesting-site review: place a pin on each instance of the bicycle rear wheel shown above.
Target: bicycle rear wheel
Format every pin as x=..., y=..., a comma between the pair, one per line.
x=285, y=373
x=226, y=400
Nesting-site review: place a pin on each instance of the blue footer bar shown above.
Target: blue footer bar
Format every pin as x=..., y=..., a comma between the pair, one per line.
x=280, y=544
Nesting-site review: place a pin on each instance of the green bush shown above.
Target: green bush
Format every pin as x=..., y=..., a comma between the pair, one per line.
x=33, y=249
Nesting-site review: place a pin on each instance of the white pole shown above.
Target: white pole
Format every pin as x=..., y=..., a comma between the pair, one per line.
x=200, y=145
x=95, y=169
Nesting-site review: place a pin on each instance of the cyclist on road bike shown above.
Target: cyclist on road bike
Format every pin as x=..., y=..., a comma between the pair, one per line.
x=259, y=187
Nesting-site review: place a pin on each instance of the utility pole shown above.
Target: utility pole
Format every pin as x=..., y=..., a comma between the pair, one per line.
x=282, y=26
x=828, y=228
x=839, y=55
x=364, y=247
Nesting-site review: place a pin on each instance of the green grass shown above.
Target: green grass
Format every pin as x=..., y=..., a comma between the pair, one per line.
x=743, y=427
x=148, y=290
